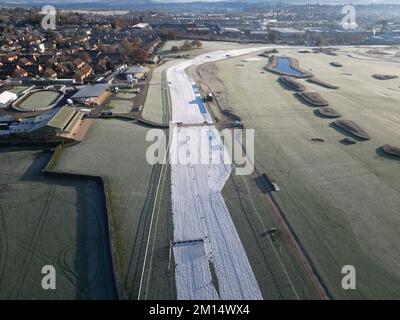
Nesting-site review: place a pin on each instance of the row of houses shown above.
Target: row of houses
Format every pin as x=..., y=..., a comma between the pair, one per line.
x=94, y=94
x=87, y=63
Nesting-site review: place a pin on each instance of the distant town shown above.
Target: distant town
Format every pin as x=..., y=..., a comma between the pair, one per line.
x=101, y=47
x=89, y=45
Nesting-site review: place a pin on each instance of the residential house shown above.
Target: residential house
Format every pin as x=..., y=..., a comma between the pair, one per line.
x=44, y=57
x=19, y=73
x=102, y=65
x=85, y=72
x=24, y=62
x=62, y=70
x=79, y=63
x=12, y=56
x=34, y=70
x=50, y=73
x=7, y=70
x=9, y=57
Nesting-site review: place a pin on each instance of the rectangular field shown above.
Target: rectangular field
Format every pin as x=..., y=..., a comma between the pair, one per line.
x=51, y=221
x=116, y=150
x=207, y=46
x=156, y=108
x=18, y=89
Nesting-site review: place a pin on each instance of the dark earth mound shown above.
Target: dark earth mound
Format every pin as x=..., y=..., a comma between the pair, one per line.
x=384, y=76
x=313, y=99
x=348, y=141
x=322, y=83
x=291, y=83
x=329, y=112
x=391, y=150
x=352, y=128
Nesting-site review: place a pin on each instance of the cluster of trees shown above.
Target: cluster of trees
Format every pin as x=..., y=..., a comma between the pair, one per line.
x=132, y=50
x=129, y=49
x=170, y=34
x=383, y=23
x=33, y=17
x=51, y=35
x=106, y=48
x=273, y=37
x=321, y=41
x=187, y=45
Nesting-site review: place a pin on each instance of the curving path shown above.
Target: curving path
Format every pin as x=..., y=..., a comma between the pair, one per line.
x=199, y=211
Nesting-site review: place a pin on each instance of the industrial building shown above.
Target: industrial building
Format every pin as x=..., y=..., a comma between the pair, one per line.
x=136, y=72
x=287, y=34
x=6, y=98
x=92, y=95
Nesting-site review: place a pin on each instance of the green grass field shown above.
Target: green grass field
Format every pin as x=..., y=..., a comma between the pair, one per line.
x=207, y=46
x=122, y=102
x=278, y=272
x=342, y=201
x=51, y=221
x=159, y=280
x=156, y=108
x=116, y=150
x=18, y=89
x=39, y=99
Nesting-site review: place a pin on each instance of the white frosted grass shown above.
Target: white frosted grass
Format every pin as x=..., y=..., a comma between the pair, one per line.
x=184, y=101
x=184, y=95
x=194, y=281
x=199, y=210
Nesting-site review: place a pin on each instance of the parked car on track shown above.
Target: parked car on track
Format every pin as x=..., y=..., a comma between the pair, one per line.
x=106, y=113
x=275, y=187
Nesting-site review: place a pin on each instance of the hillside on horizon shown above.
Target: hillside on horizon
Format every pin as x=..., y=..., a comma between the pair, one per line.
x=127, y=2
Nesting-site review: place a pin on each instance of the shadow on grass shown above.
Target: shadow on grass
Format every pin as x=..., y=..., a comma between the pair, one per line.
x=286, y=86
x=82, y=249
x=322, y=116
x=345, y=133
x=260, y=181
x=380, y=152
x=305, y=102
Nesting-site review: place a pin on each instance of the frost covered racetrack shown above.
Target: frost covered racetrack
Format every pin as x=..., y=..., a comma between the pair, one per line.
x=199, y=210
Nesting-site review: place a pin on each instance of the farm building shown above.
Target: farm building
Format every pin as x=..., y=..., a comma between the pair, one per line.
x=6, y=98
x=92, y=94
x=138, y=72
x=56, y=123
